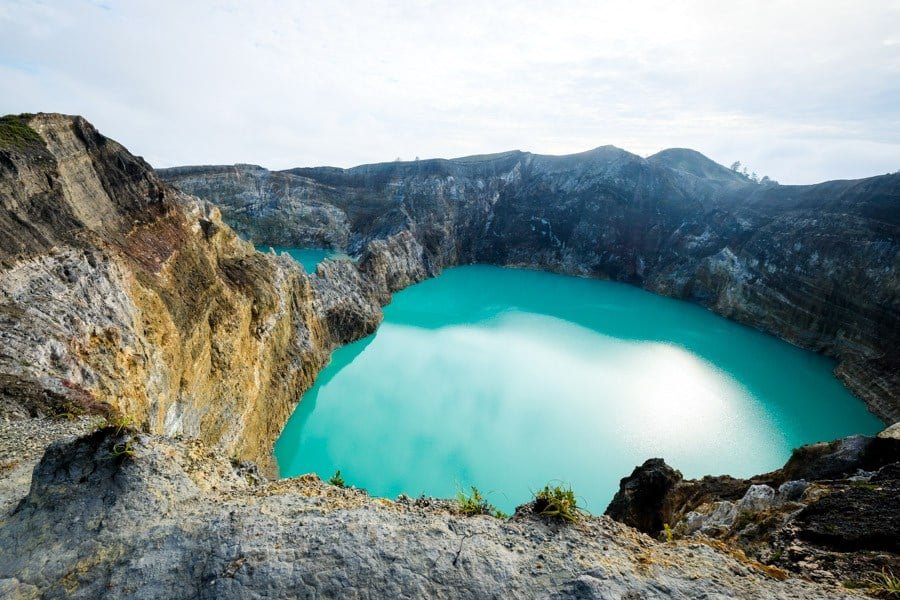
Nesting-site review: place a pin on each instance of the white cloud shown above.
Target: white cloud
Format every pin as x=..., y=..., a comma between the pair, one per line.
x=802, y=91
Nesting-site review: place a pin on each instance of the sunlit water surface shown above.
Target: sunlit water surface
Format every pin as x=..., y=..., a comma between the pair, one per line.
x=509, y=379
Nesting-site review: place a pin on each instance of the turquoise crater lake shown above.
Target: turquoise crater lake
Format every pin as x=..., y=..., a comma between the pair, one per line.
x=308, y=257
x=508, y=379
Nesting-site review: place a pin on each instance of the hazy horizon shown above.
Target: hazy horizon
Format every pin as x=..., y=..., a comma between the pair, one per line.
x=484, y=154
x=799, y=91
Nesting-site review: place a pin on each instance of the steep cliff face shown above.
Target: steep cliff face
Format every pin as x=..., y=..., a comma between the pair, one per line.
x=119, y=294
x=262, y=197
x=816, y=265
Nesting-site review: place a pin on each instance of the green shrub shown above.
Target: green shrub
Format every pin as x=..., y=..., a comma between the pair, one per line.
x=120, y=424
x=337, y=480
x=475, y=504
x=556, y=501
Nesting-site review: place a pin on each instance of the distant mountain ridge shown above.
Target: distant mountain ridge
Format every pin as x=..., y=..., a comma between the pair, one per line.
x=691, y=161
x=816, y=265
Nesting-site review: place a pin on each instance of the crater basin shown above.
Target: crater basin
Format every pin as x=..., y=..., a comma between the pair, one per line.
x=509, y=379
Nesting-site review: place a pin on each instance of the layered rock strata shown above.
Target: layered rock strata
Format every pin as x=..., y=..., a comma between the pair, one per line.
x=818, y=266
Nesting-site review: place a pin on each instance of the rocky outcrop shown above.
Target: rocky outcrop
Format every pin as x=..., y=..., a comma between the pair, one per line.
x=262, y=198
x=639, y=501
x=815, y=265
x=831, y=513
x=119, y=514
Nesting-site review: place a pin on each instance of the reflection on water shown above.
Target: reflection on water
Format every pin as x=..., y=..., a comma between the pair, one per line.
x=509, y=379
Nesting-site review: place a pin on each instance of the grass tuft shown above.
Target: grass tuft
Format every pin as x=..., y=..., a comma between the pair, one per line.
x=122, y=450
x=667, y=532
x=883, y=585
x=16, y=134
x=556, y=501
x=476, y=504
x=337, y=480
x=120, y=424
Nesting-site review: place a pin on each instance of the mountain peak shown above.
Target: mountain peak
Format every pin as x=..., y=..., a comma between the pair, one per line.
x=695, y=163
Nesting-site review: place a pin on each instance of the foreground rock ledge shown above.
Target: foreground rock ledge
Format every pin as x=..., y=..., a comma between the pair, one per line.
x=116, y=514
x=830, y=514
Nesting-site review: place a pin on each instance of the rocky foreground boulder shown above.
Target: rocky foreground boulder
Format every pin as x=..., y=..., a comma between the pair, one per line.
x=122, y=514
x=832, y=513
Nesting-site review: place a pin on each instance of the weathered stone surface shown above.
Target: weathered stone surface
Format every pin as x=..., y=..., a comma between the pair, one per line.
x=22, y=444
x=120, y=295
x=758, y=497
x=639, y=501
x=841, y=458
x=864, y=516
x=711, y=519
x=892, y=432
x=840, y=525
x=815, y=265
x=175, y=520
x=265, y=198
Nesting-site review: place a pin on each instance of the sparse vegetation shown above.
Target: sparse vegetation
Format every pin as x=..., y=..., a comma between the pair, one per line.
x=98, y=423
x=884, y=584
x=474, y=503
x=864, y=485
x=122, y=449
x=558, y=501
x=740, y=169
x=121, y=424
x=122, y=428
x=667, y=532
x=16, y=134
x=337, y=480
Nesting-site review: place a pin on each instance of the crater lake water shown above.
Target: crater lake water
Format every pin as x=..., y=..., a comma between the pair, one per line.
x=509, y=379
x=308, y=257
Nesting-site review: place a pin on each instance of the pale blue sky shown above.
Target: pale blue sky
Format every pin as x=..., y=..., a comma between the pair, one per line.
x=801, y=91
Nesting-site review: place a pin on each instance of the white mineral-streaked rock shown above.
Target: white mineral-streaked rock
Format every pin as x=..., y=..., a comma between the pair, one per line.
x=892, y=432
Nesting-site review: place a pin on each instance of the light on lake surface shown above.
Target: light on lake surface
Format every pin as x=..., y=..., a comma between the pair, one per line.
x=509, y=379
